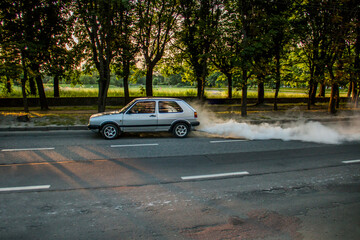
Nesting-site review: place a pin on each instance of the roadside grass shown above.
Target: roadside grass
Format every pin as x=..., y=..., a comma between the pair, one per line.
x=61, y=119
x=41, y=118
x=164, y=91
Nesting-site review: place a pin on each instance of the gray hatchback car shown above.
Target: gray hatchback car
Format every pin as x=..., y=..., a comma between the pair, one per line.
x=147, y=115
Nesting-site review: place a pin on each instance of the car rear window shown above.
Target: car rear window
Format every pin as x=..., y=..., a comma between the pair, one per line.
x=169, y=107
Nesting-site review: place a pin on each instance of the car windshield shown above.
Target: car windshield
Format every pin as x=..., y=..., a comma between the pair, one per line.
x=124, y=109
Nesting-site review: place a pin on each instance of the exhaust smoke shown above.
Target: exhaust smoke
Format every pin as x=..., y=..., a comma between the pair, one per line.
x=302, y=130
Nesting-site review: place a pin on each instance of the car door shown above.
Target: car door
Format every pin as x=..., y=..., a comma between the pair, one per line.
x=169, y=111
x=141, y=117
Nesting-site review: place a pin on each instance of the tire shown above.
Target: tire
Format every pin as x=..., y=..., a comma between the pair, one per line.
x=181, y=130
x=110, y=131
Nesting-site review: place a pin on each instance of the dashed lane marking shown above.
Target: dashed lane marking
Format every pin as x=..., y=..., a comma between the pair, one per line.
x=135, y=145
x=24, y=188
x=351, y=161
x=218, y=175
x=229, y=141
x=26, y=149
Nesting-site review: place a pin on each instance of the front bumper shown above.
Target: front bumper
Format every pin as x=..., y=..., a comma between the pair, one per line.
x=94, y=128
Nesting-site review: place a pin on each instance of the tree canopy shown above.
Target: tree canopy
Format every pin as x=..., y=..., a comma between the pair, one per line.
x=316, y=42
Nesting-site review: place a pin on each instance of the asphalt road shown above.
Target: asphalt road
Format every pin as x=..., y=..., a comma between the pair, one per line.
x=76, y=185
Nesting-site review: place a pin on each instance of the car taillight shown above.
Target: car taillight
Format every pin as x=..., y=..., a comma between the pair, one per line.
x=195, y=114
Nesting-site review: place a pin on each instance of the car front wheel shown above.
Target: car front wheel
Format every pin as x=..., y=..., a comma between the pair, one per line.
x=110, y=131
x=181, y=130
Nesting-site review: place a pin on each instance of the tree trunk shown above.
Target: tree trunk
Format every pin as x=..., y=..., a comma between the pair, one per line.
x=103, y=89
x=126, y=73
x=337, y=97
x=56, y=87
x=149, y=80
x=23, y=90
x=104, y=83
x=311, y=83
x=277, y=84
x=313, y=93
x=357, y=98
x=261, y=94
x=32, y=86
x=354, y=92
x=23, y=83
x=200, y=69
x=318, y=76
x=333, y=98
x=8, y=85
x=244, y=95
x=311, y=86
x=202, y=74
x=101, y=97
x=42, y=96
x=355, y=95
x=229, y=77
x=277, y=89
x=334, y=89
x=40, y=87
x=322, y=90
x=348, y=95
x=200, y=88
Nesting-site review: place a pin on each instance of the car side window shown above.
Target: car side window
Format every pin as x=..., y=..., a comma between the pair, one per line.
x=143, y=107
x=169, y=107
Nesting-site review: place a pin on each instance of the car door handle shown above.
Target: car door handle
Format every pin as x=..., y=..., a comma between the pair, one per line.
x=152, y=115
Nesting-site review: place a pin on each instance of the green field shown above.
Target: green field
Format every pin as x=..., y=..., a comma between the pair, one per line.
x=163, y=91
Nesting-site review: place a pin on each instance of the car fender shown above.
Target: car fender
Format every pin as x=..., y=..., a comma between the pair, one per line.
x=108, y=122
x=179, y=121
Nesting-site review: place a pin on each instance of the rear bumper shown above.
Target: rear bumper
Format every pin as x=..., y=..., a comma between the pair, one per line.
x=196, y=123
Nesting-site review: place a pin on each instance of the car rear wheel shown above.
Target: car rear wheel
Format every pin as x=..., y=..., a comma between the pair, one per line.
x=110, y=131
x=181, y=130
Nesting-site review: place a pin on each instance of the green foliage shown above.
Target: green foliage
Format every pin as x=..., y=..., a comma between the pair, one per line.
x=186, y=43
x=67, y=90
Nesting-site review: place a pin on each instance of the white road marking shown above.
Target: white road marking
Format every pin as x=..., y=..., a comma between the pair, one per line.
x=39, y=187
x=218, y=175
x=227, y=141
x=135, y=145
x=26, y=149
x=351, y=161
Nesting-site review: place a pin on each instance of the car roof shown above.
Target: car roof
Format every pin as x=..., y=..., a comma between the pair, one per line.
x=158, y=98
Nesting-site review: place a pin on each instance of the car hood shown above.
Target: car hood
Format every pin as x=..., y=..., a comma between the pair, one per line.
x=104, y=114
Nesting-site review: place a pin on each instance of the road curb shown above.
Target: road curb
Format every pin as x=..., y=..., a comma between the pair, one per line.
x=43, y=128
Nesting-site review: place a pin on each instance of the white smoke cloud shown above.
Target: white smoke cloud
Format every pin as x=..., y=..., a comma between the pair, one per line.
x=307, y=132
x=310, y=131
